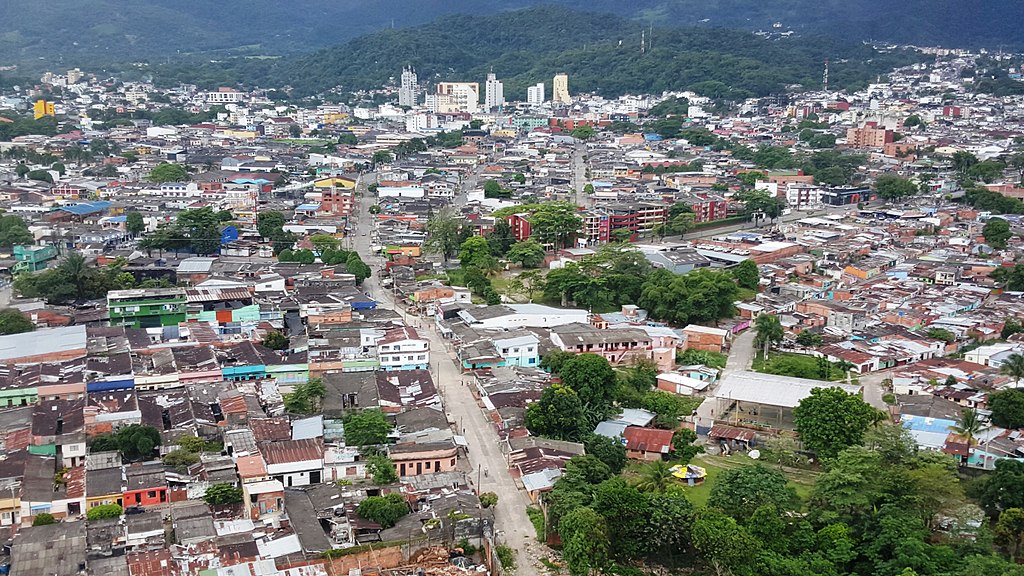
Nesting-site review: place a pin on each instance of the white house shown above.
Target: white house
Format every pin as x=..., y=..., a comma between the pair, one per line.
x=401, y=192
x=510, y=316
x=403, y=349
x=295, y=462
x=519, y=349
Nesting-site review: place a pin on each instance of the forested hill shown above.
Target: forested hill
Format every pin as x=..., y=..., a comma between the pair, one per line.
x=59, y=33
x=601, y=53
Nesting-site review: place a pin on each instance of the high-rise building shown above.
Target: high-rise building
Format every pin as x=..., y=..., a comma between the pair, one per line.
x=408, y=92
x=535, y=94
x=494, y=93
x=74, y=75
x=560, y=89
x=457, y=97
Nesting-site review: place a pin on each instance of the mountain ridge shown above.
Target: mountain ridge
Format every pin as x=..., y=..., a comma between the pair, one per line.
x=47, y=34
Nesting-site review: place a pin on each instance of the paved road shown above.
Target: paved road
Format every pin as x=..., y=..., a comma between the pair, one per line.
x=511, y=521
x=740, y=358
x=579, y=175
x=873, y=389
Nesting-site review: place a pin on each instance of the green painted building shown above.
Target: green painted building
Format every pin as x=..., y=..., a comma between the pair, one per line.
x=33, y=258
x=147, y=307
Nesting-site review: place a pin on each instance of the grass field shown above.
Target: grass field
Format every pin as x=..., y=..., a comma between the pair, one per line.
x=800, y=480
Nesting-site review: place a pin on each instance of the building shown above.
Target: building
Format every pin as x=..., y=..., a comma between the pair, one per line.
x=147, y=308
x=765, y=400
x=295, y=462
x=408, y=93
x=451, y=97
x=494, y=93
x=868, y=136
x=560, y=89
x=535, y=94
x=33, y=258
x=43, y=108
x=403, y=349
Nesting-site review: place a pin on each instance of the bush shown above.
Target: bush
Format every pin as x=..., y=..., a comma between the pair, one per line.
x=222, y=495
x=44, y=519
x=103, y=512
x=506, y=556
x=539, y=523
x=488, y=499
x=384, y=510
x=889, y=399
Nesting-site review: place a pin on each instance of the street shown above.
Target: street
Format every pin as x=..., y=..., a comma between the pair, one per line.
x=511, y=522
x=741, y=355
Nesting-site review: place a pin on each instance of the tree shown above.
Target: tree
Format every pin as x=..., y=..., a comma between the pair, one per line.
x=501, y=238
x=554, y=223
x=276, y=341
x=941, y=334
x=893, y=187
x=583, y=132
x=44, y=519
x=382, y=469
x=703, y=295
x=1009, y=532
x=444, y=233
x=721, y=542
x=381, y=157
x=180, y=459
x=306, y=398
x=607, y=450
x=528, y=253
x=14, y=231
x=366, y=428
x=375, y=209
x=656, y=477
x=809, y=339
x=997, y=233
x=592, y=377
x=962, y=162
x=1007, y=407
x=741, y=491
x=488, y=500
x=323, y=242
x=134, y=442
x=747, y=274
x=585, y=541
x=476, y=252
x=385, y=510
x=12, y=321
x=683, y=445
x=103, y=512
x=558, y=414
x=967, y=427
x=40, y=175
x=830, y=420
x=492, y=189
x=587, y=469
x=354, y=265
x=168, y=172
x=1001, y=491
x=134, y=224
x=769, y=332
x=223, y=495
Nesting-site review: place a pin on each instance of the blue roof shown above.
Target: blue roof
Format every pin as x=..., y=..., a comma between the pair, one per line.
x=118, y=219
x=260, y=181
x=84, y=208
x=923, y=424
x=304, y=207
x=652, y=137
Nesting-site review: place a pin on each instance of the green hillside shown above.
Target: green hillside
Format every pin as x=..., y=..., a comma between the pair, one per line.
x=601, y=53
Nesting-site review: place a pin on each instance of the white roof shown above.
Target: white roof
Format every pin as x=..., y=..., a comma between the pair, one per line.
x=39, y=342
x=772, y=246
x=677, y=378
x=773, y=390
x=264, y=487
x=705, y=329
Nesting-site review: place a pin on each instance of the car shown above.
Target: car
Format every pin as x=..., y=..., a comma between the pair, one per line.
x=134, y=510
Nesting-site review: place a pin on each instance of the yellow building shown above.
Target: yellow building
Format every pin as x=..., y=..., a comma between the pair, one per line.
x=560, y=89
x=335, y=182
x=43, y=108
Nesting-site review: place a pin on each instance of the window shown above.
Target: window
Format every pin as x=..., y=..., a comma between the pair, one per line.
x=421, y=357
x=151, y=494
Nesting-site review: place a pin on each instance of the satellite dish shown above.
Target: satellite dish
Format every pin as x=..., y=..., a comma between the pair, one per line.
x=754, y=454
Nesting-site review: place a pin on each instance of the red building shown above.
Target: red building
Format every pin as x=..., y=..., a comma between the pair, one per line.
x=337, y=201
x=600, y=223
x=147, y=486
x=520, y=224
x=707, y=207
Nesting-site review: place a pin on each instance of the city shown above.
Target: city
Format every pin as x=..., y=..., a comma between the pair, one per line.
x=471, y=324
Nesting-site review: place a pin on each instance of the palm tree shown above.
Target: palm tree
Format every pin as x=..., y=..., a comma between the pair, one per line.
x=655, y=477
x=1013, y=366
x=75, y=269
x=967, y=427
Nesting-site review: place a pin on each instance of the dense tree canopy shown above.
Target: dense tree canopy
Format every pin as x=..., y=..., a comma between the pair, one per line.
x=831, y=419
